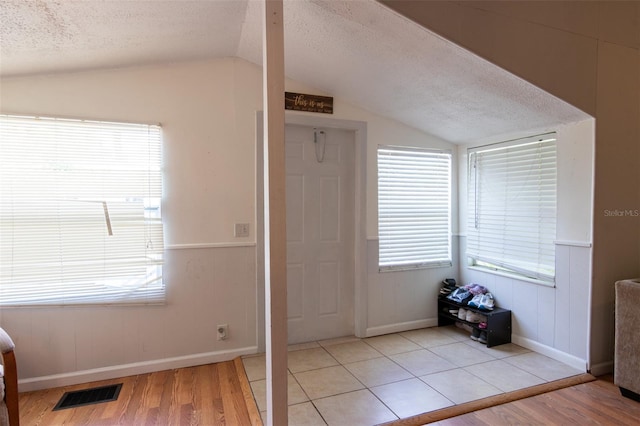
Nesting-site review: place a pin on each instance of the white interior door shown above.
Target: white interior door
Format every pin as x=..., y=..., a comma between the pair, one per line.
x=320, y=232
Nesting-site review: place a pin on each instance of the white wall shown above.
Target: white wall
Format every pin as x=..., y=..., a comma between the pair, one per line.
x=404, y=300
x=207, y=111
x=382, y=131
x=551, y=320
x=399, y=300
x=588, y=54
x=207, y=114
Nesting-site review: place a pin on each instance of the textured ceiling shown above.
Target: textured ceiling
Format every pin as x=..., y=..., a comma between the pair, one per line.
x=46, y=35
x=357, y=50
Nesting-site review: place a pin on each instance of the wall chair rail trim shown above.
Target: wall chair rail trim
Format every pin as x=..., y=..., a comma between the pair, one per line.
x=208, y=245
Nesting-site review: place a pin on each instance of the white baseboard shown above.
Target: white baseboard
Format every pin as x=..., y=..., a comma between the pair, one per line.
x=402, y=326
x=115, y=371
x=602, y=368
x=553, y=353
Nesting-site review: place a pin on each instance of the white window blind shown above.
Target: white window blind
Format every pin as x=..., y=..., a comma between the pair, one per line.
x=79, y=212
x=512, y=206
x=414, y=214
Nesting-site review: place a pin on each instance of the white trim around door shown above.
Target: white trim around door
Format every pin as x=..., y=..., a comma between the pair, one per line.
x=360, y=272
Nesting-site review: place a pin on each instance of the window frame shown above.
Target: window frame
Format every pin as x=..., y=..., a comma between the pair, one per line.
x=388, y=227
x=517, y=257
x=81, y=212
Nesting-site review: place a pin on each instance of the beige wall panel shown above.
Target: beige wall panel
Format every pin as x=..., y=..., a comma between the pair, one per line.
x=441, y=17
x=616, y=251
x=619, y=22
x=618, y=145
x=562, y=63
x=559, y=62
x=568, y=16
x=595, y=67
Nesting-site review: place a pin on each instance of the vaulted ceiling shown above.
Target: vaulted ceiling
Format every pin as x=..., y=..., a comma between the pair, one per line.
x=359, y=51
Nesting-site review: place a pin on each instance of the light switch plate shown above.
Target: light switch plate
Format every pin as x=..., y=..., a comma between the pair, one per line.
x=242, y=230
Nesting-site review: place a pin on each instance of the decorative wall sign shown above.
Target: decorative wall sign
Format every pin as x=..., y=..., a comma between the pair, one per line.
x=309, y=103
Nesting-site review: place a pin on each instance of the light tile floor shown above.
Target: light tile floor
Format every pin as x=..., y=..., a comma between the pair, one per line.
x=351, y=381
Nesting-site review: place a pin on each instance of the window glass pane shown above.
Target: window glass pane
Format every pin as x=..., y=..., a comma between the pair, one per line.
x=512, y=207
x=414, y=199
x=80, y=217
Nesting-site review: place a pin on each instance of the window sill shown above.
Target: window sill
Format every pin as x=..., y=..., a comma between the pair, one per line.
x=412, y=267
x=513, y=276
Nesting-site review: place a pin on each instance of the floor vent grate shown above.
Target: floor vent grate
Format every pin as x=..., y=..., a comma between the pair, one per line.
x=88, y=397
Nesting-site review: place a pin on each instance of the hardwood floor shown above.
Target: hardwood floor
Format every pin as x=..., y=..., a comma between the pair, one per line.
x=218, y=394
x=209, y=394
x=597, y=402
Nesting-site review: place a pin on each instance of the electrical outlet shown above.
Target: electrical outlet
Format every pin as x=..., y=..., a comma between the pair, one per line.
x=242, y=230
x=223, y=331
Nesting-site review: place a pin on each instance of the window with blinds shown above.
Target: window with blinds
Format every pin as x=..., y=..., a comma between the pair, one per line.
x=512, y=207
x=80, y=214
x=414, y=208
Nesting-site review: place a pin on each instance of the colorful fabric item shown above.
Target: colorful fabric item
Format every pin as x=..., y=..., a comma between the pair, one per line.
x=460, y=295
x=476, y=289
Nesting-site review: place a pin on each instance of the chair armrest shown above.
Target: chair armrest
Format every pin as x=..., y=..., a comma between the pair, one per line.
x=6, y=344
x=11, y=387
x=10, y=377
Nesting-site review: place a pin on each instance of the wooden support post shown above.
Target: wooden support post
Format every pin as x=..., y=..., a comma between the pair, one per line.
x=275, y=214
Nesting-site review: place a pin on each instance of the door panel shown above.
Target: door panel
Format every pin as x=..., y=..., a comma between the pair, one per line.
x=295, y=290
x=295, y=211
x=329, y=279
x=320, y=233
x=330, y=211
